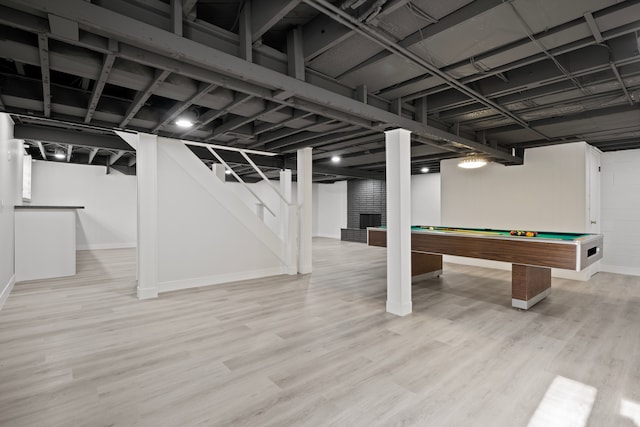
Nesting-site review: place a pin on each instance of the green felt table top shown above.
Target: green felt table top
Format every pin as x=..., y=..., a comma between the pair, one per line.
x=490, y=232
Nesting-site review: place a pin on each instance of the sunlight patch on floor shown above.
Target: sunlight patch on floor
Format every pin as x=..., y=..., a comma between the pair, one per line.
x=566, y=403
x=631, y=410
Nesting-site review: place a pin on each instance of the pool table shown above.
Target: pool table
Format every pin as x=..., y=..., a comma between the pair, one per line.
x=531, y=257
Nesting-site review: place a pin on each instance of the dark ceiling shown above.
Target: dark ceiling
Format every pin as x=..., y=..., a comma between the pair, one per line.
x=489, y=76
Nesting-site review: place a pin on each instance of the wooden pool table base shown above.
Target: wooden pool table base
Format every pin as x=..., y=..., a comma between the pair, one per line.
x=529, y=284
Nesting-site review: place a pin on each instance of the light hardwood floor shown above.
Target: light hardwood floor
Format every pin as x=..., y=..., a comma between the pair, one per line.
x=315, y=350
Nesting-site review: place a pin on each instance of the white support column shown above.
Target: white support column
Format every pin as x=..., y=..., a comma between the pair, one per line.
x=285, y=189
x=305, y=201
x=288, y=224
x=147, y=172
x=398, y=154
x=218, y=170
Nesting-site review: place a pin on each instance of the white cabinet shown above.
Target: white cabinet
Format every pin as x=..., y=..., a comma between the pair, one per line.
x=45, y=239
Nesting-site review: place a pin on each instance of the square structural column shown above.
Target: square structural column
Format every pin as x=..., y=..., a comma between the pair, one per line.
x=288, y=223
x=398, y=156
x=305, y=201
x=147, y=174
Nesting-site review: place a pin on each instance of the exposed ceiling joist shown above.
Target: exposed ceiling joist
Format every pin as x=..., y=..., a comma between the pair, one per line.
x=92, y=155
x=176, y=17
x=189, y=9
x=347, y=172
x=240, y=120
x=143, y=95
x=212, y=115
x=115, y=157
x=42, y=152
x=622, y=85
x=43, y=47
x=265, y=14
x=296, y=142
x=49, y=134
x=597, y=35
x=280, y=134
x=98, y=87
x=267, y=127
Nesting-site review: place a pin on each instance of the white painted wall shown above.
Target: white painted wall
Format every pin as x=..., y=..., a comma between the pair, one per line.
x=547, y=193
x=620, y=213
x=329, y=209
x=425, y=199
x=204, y=234
x=109, y=217
x=11, y=155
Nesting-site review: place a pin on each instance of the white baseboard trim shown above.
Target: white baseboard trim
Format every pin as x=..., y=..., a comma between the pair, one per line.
x=93, y=247
x=6, y=290
x=328, y=236
x=147, y=293
x=292, y=271
x=176, y=285
x=630, y=271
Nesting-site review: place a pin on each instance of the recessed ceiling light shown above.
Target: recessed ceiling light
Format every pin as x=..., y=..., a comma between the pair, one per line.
x=424, y=169
x=184, y=123
x=335, y=159
x=59, y=153
x=228, y=172
x=186, y=119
